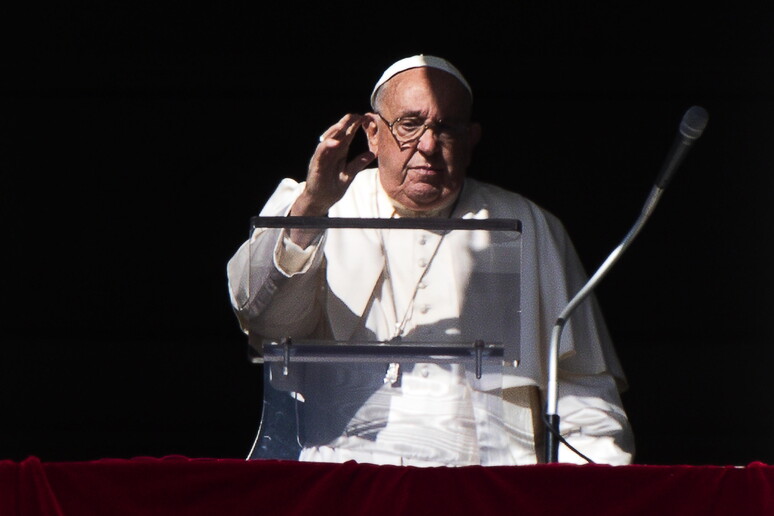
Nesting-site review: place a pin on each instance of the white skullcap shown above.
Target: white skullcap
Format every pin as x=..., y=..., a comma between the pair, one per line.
x=419, y=61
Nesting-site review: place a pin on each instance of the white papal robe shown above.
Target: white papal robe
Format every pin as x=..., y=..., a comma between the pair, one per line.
x=370, y=284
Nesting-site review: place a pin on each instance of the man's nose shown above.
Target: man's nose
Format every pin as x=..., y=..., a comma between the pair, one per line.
x=428, y=143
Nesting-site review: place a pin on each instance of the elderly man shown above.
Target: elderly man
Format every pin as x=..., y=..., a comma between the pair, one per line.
x=352, y=286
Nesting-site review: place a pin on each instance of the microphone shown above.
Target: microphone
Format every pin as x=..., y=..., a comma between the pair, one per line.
x=691, y=127
x=693, y=124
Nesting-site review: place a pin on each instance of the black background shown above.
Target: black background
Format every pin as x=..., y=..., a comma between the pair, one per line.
x=137, y=141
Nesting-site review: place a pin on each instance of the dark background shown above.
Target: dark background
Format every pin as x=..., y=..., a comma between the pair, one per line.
x=137, y=142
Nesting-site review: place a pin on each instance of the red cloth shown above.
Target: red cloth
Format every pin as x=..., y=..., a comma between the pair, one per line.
x=178, y=485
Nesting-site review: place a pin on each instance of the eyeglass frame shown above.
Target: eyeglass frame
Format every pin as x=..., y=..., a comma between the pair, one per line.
x=434, y=124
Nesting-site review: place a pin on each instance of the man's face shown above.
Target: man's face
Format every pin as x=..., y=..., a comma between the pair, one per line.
x=428, y=173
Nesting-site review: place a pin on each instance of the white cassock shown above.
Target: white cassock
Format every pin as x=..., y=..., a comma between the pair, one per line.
x=372, y=284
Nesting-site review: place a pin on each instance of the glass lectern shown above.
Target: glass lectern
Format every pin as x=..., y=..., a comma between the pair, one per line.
x=389, y=334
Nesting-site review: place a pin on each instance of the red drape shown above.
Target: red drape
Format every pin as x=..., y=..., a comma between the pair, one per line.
x=179, y=485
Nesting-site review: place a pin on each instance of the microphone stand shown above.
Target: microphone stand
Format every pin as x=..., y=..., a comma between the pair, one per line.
x=552, y=402
x=691, y=127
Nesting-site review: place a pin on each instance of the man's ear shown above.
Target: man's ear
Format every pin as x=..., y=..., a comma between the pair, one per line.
x=371, y=128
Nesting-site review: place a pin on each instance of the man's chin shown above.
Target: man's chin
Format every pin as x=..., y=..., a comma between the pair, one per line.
x=423, y=197
x=427, y=198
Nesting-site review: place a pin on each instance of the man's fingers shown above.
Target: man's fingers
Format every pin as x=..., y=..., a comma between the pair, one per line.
x=343, y=130
x=359, y=162
x=330, y=173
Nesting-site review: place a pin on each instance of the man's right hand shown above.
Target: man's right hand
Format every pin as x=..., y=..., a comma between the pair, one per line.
x=329, y=174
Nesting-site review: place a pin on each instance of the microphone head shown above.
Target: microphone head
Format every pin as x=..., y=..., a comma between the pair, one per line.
x=693, y=123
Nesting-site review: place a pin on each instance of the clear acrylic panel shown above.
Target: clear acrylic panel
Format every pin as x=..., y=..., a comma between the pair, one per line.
x=385, y=337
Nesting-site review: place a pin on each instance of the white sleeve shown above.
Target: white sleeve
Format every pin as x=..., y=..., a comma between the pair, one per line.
x=291, y=259
x=591, y=419
x=275, y=289
x=274, y=285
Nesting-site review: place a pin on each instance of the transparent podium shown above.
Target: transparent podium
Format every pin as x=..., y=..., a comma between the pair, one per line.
x=384, y=336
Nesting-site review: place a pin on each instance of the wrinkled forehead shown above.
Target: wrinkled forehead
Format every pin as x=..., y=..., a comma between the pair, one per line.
x=424, y=91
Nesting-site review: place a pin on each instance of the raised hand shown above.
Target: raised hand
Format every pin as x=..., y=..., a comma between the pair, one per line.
x=330, y=174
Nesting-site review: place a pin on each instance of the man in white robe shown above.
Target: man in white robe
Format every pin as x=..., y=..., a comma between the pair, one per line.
x=376, y=285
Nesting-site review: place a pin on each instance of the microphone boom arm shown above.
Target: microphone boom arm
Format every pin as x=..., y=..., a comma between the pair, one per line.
x=552, y=401
x=691, y=128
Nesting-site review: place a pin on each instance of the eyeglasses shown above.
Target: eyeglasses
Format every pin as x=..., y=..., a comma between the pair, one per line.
x=408, y=129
